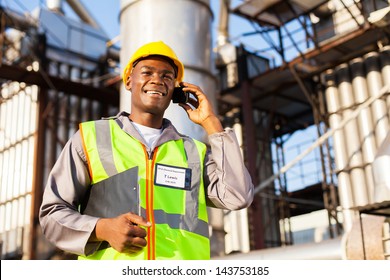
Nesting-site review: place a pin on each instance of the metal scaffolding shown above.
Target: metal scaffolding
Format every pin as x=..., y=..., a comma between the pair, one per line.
x=324, y=35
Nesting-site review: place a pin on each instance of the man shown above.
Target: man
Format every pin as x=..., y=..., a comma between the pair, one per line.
x=176, y=176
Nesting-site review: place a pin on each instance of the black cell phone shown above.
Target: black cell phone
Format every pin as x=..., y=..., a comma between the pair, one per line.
x=180, y=96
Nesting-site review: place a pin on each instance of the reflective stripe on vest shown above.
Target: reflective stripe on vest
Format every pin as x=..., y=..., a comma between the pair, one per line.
x=179, y=217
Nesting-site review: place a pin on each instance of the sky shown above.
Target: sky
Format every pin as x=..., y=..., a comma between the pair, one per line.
x=106, y=12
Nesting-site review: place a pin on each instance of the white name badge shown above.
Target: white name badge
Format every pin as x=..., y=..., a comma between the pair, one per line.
x=172, y=176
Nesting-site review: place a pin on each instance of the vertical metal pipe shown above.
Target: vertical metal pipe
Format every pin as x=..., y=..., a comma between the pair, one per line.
x=18, y=206
x=379, y=108
x=344, y=183
x=236, y=222
x=351, y=134
x=250, y=141
x=39, y=159
x=223, y=26
x=385, y=64
x=365, y=123
x=242, y=215
x=67, y=108
x=328, y=203
x=14, y=139
x=3, y=108
x=329, y=170
x=39, y=162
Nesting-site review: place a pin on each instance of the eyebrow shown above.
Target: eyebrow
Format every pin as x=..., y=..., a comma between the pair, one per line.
x=153, y=68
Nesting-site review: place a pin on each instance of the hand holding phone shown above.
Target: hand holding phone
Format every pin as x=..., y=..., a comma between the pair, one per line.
x=180, y=96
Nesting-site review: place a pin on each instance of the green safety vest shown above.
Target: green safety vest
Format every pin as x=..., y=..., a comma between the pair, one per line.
x=179, y=216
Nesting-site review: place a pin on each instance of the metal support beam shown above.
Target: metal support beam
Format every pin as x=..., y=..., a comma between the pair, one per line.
x=256, y=211
x=15, y=73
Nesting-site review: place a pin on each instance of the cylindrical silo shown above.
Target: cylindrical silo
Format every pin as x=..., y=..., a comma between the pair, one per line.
x=379, y=108
x=186, y=27
x=346, y=87
x=340, y=154
x=385, y=64
x=352, y=139
x=365, y=123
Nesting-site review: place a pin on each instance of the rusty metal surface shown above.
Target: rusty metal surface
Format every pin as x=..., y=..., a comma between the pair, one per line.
x=367, y=243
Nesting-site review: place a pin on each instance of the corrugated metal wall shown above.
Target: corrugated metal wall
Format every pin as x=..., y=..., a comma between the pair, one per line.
x=35, y=124
x=18, y=108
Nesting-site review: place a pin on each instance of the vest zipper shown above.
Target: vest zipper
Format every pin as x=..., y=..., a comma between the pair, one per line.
x=150, y=158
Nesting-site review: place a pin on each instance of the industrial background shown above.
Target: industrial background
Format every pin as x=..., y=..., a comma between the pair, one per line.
x=308, y=98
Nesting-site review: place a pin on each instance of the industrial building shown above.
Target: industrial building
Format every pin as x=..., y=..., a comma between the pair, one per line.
x=312, y=64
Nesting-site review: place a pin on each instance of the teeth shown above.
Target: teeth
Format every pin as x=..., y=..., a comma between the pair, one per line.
x=155, y=92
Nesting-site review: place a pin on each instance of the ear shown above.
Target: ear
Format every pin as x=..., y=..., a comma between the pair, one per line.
x=128, y=83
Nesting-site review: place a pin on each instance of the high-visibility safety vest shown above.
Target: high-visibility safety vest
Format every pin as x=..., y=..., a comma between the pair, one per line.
x=178, y=215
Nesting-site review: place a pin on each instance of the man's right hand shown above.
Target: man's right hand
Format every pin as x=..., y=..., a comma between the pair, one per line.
x=124, y=232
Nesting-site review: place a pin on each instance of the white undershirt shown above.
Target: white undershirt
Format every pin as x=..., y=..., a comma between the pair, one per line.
x=149, y=134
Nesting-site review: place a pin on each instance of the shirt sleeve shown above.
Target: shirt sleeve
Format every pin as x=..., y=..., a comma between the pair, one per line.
x=229, y=185
x=68, y=181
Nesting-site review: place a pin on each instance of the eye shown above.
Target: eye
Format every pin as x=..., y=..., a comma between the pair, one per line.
x=146, y=72
x=169, y=77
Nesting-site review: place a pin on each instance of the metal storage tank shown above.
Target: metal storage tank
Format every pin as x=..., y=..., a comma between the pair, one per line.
x=364, y=122
x=186, y=27
x=335, y=118
x=379, y=108
x=352, y=143
x=347, y=87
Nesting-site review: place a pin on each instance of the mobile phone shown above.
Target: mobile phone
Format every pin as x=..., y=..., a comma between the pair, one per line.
x=180, y=96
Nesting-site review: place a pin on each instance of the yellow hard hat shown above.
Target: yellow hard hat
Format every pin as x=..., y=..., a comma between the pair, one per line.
x=154, y=48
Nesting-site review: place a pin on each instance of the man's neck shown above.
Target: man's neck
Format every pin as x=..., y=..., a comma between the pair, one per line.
x=147, y=119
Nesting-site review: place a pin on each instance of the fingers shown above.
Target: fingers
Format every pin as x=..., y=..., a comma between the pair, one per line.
x=133, y=241
x=136, y=231
x=191, y=86
x=194, y=102
x=200, y=110
x=131, y=245
x=196, y=97
x=199, y=97
x=134, y=244
x=129, y=234
x=196, y=91
x=131, y=250
x=134, y=247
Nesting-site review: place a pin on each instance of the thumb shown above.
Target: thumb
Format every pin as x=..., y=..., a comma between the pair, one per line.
x=136, y=219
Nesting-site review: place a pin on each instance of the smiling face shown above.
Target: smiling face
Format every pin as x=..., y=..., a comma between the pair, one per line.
x=151, y=83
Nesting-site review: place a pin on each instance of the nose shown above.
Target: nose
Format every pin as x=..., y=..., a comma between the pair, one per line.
x=157, y=79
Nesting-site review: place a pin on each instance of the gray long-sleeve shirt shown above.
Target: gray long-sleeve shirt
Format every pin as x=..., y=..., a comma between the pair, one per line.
x=226, y=179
